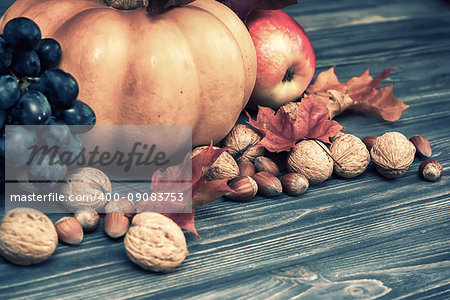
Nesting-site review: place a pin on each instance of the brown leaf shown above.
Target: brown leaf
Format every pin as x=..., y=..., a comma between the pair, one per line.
x=184, y=220
x=175, y=179
x=281, y=132
x=359, y=93
x=275, y=4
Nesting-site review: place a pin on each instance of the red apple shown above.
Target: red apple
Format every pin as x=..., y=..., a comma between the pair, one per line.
x=285, y=58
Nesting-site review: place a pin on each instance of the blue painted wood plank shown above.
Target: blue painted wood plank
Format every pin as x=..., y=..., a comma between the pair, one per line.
x=346, y=237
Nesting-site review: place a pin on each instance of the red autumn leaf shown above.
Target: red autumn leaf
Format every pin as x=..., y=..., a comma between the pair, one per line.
x=359, y=93
x=175, y=179
x=281, y=131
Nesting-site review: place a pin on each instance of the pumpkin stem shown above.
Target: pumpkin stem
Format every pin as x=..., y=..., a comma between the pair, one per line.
x=127, y=4
x=154, y=7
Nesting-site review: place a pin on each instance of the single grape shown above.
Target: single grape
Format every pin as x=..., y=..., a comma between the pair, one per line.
x=26, y=64
x=78, y=114
x=61, y=88
x=22, y=34
x=9, y=91
x=56, y=134
x=32, y=108
x=19, y=144
x=5, y=57
x=45, y=166
x=49, y=53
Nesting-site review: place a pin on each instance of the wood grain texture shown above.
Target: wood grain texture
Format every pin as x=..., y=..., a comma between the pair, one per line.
x=361, y=238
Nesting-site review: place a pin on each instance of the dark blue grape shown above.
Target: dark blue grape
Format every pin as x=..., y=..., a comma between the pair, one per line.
x=18, y=146
x=78, y=114
x=5, y=57
x=56, y=134
x=32, y=108
x=35, y=86
x=60, y=87
x=45, y=166
x=22, y=34
x=3, y=118
x=2, y=147
x=9, y=91
x=26, y=63
x=49, y=52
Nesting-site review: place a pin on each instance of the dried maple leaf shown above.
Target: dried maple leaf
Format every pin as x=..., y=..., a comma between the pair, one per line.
x=281, y=131
x=174, y=180
x=359, y=93
x=242, y=8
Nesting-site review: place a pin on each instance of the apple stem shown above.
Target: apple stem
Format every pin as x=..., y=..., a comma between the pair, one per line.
x=288, y=75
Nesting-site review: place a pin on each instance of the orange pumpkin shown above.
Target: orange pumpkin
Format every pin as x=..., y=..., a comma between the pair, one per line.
x=191, y=65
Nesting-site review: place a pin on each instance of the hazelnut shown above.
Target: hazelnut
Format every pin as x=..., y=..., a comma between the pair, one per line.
x=69, y=230
x=350, y=156
x=88, y=219
x=27, y=236
x=123, y=205
x=392, y=154
x=268, y=184
x=369, y=141
x=246, y=169
x=423, y=147
x=224, y=167
x=244, y=188
x=85, y=187
x=155, y=242
x=116, y=224
x=430, y=170
x=312, y=159
x=241, y=143
x=294, y=184
x=266, y=164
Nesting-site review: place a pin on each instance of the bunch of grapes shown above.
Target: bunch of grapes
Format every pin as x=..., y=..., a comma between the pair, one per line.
x=33, y=91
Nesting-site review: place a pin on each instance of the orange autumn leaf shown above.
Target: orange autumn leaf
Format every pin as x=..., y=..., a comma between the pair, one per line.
x=281, y=131
x=359, y=93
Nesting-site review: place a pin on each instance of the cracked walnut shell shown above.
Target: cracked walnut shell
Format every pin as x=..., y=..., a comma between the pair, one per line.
x=350, y=155
x=392, y=154
x=85, y=188
x=312, y=159
x=241, y=141
x=27, y=236
x=224, y=167
x=154, y=242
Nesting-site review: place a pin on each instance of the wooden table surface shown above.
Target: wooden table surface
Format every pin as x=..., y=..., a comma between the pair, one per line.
x=360, y=238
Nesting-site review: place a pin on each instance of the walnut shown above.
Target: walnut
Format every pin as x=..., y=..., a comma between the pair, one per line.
x=24, y=182
x=241, y=141
x=155, y=242
x=312, y=159
x=85, y=188
x=392, y=154
x=27, y=236
x=224, y=167
x=350, y=155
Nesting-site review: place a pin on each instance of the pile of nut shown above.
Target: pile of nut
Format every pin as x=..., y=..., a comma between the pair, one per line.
x=152, y=241
x=312, y=162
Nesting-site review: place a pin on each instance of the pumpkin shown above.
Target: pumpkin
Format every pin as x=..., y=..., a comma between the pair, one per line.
x=191, y=65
